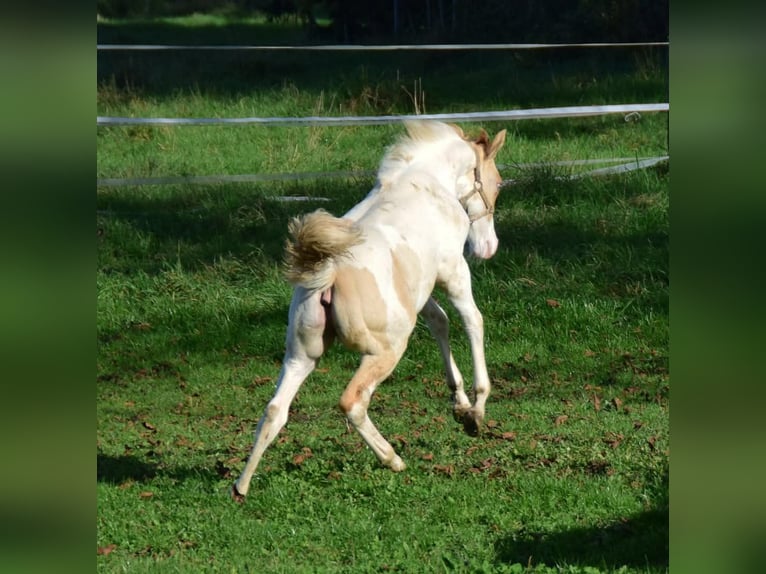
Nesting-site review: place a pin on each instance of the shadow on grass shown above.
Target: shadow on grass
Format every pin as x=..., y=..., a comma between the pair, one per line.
x=195, y=226
x=640, y=540
x=128, y=468
x=118, y=469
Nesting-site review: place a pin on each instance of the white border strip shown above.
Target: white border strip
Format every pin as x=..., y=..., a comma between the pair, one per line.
x=374, y=48
x=535, y=113
x=627, y=165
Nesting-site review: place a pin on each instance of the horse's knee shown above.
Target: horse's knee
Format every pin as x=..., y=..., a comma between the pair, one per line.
x=353, y=404
x=275, y=415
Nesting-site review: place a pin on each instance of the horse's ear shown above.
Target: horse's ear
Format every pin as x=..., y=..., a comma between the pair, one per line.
x=497, y=143
x=458, y=130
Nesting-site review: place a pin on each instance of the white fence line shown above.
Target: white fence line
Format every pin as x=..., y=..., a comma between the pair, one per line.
x=626, y=164
x=374, y=48
x=535, y=113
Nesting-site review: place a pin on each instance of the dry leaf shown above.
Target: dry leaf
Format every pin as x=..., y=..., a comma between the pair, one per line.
x=428, y=456
x=305, y=454
x=560, y=420
x=617, y=403
x=596, y=403
x=552, y=303
x=447, y=469
x=614, y=440
x=508, y=435
x=106, y=550
x=145, y=494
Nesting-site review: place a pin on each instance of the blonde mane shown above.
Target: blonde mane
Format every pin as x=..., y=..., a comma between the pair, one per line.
x=420, y=135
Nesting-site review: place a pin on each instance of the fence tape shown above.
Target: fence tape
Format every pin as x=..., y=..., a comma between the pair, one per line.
x=374, y=48
x=623, y=168
x=534, y=113
x=626, y=165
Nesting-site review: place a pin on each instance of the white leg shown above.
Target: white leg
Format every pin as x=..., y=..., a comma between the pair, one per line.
x=306, y=340
x=438, y=323
x=458, y=288
x=294, y=372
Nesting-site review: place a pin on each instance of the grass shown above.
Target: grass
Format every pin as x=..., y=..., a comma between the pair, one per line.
x=571, y=473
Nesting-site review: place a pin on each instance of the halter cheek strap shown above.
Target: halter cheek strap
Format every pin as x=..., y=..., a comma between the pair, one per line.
x=478, y=187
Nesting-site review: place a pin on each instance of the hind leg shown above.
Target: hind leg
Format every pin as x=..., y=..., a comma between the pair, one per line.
x=438, y=324
x=306, y=341
x=356, y=399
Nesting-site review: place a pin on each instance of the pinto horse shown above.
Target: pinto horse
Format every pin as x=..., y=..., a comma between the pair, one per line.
x=363, y=278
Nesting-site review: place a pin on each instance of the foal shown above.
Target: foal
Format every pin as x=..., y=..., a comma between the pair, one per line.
x=364, y=278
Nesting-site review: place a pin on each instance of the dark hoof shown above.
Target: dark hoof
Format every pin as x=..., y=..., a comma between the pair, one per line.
x=471, y=426
x=235, y=495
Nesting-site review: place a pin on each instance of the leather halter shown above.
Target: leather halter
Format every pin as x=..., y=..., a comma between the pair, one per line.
x=478, y=187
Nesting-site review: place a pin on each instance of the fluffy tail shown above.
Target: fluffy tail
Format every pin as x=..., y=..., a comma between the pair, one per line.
x=318, y=241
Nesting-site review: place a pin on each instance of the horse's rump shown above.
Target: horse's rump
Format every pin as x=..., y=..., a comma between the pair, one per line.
x=318, y=240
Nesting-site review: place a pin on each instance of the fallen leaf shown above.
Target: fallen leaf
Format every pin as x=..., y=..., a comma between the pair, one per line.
x=105, y=550
x=614, y=440
x=508, y=435
x=428, y=456
x=552, y=303
x=305, y=454
x=258, y=380
x=637, y=425
x=617, y=403
x=447, y=469
x=651, y=440
x=560, y=420
x=589, y=353
x=401, y=439
x=596, y=403
x=145, y=494
x=149, y=426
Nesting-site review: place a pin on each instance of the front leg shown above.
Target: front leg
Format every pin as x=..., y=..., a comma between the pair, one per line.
x=458, y=287
x=438, y=323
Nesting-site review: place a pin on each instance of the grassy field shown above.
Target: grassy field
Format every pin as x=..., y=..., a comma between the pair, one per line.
x=571, y=473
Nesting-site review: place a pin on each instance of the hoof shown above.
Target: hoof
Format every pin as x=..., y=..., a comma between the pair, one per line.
x=460, y=413
x=397, y=464
x=235, y=494
x=471, y=425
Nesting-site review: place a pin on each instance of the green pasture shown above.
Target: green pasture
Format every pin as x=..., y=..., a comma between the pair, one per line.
x=571, y=471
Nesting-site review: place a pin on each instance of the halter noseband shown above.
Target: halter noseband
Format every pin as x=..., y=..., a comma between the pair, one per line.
x=478, y=187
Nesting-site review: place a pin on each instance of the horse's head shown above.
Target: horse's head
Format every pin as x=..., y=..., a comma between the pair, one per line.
x=479, y=202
